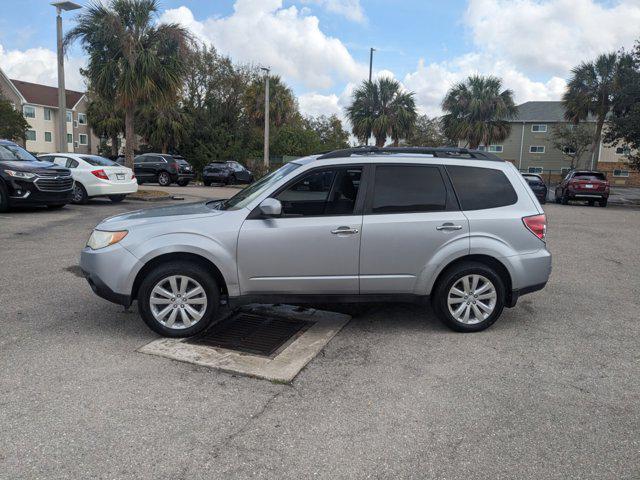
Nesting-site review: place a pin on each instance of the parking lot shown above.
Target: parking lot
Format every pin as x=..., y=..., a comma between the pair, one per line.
x=552, y=390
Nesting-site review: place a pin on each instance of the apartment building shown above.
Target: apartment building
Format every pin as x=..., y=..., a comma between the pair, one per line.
x=530, y=146
x=39, y=106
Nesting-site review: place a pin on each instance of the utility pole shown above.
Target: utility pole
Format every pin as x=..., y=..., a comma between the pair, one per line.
x=266, y=116
x=371, y=62
x=62, y=100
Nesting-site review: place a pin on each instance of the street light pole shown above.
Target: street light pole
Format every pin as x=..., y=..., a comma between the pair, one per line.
x=62, y=100
x=266, y=116
x=371, y=62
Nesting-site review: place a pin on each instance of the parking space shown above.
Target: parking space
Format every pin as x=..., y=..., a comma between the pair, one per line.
x=550, y=391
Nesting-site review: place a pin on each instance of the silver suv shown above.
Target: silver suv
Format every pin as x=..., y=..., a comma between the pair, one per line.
x=461, y=228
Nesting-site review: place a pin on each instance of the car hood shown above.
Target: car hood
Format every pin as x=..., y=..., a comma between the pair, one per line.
x=158, y=215
x=27, y=166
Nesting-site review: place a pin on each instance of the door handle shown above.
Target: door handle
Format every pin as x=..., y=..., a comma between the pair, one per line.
x=449, y=227
x=344, y=230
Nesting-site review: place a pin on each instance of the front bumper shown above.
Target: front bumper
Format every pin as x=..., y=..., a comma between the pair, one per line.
x=26, y=193
x=110, y=272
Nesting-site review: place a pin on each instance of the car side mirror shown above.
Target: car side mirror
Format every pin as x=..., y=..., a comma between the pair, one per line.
x=271, y=207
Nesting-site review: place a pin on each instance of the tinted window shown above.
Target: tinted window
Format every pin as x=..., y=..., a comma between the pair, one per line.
x=97, y=161
x=401, y=188
x=589, y=176
x=480, y=188
x=324, y=192
x=10, y=151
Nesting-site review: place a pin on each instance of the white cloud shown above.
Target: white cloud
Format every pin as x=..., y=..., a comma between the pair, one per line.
x=286, y=39
x=40, y=65
x=350, y=9
x=550, y=36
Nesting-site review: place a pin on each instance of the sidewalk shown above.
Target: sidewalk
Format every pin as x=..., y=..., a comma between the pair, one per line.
x=627, y=196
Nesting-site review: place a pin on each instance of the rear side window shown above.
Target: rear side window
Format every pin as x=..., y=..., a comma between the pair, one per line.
x=480, y=188
x=407, y=188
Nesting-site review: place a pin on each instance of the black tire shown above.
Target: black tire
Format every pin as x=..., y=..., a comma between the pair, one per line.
x=565, y=199
x=449, y=278
x=231, y=180
x=56, y=206
x=117, y=198
x=80, y=196
x=4, y=198
x=603, y=203
x=164, y=179
x=207, y=183
x=165, y=270
x=183, y=183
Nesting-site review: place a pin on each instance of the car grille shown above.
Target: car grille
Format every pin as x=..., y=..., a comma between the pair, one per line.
x=54, y=182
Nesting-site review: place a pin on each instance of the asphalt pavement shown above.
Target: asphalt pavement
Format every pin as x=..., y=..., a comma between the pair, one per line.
x=551, y=391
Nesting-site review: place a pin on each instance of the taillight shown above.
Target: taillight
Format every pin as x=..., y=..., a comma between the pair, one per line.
x=536, y=224
x=133, y=176
x=100, y=174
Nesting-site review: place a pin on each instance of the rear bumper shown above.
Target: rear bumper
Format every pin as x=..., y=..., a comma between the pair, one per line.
x=529, y=273
x=517, y=293
x=586, y=195
x=110, y=188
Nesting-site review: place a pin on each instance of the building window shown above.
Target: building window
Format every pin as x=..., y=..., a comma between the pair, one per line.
x=69, y=138
x=495, y=148
x=48, y=137
x=620, y=173
x=83, y=139
x=569, y=151
x=535, y=170
x=47, y=114
x=28, y=111
x=536, y=149
x=623, y=151
x=31, y=135
x=539, y=128
x=69, y=116
x=82, y=118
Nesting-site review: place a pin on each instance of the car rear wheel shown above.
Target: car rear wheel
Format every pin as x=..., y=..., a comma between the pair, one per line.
x=4, y=199
x=469, y=297
x=117, y=198
x=164, y=179
x=603, y=203
x=565, y=199
x=79, y=194
x=178, y=299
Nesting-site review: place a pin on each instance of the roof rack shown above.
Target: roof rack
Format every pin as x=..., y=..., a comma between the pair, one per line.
x=442, y=152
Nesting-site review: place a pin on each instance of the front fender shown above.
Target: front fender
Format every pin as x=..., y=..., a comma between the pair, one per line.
x=220, y=255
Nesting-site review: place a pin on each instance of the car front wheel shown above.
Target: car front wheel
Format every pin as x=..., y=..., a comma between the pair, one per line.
x=164, y=179
x=178, y=299
x=470, y=297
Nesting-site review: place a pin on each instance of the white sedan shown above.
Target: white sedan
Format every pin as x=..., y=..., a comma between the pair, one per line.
x=95, y=176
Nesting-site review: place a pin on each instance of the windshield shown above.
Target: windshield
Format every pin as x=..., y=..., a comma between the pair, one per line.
x=181, y=161
x=97, y=161
x=246, y=196
x=14, y=152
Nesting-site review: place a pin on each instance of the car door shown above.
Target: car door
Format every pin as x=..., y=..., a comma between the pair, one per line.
x=140, y=168
x=410, y=214
x=313, y=247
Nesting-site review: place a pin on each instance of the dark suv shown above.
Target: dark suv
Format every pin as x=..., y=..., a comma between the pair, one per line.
x=537, y=185
x=26, y=181
x=162, y=168
x=229, y=172
x=586, y=185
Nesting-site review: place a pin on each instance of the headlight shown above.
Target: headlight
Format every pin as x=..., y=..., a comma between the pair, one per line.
x=25, y=175
x=101, y=239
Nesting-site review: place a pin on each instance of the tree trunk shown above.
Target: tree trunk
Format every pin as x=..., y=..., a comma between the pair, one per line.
x=114, y=146
x=596, y=142
x=165, y=148
x=380, y=141
x=129, y=136
x=396, y=142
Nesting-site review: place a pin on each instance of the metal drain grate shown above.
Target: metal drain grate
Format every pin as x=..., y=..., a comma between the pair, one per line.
x=250, y=333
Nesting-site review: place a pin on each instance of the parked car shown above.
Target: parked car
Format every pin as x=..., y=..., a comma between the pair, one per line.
x=537, y=185
x=28, y=182
x=95, y=176
x=164, y=169
x=229, y=173
x=458, y=227
x=588, y=185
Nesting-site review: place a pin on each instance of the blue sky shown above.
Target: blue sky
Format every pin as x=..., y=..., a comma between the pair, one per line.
x=321, y=47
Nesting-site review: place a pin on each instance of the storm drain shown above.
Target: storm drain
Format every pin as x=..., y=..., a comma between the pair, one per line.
x=250, y=333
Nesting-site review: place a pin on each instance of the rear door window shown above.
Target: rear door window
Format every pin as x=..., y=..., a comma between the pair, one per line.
x=408, y=188
x=480, y=188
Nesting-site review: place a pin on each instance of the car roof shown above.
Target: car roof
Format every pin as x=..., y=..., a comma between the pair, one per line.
x=6, y=142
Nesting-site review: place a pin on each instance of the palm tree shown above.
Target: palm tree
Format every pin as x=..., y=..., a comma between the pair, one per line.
x=132, y=59
x=283, y=107
x=590, y=91
x=163, y=126
x=382, y=109
x=478, y=111
x=105, y=120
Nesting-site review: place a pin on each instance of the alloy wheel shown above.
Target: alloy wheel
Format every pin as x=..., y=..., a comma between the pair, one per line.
x=472, y=299
x=178, y=302
x=164, y=179
x=78, y=195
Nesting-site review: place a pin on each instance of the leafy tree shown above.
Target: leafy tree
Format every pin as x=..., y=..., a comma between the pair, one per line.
x=13, y=126
x=105, y=120
x=331, y=134
x=296, y=139
x=478, y=111
x=382, y=109
x=164, y=127
x=427, y=132
x=572, y=141
x=590, y=92
x=624, y=124
x=283, y=107
x=131, y=56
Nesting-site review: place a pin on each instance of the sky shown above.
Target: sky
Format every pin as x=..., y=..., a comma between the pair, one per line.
x=321, y=47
